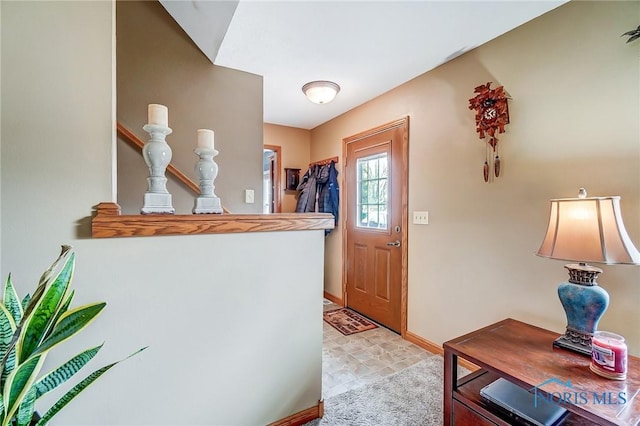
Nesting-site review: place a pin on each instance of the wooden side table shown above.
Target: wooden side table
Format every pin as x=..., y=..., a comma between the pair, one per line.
x=524, y=355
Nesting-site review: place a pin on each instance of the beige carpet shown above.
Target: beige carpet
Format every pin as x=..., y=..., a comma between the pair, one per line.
x=411, y=397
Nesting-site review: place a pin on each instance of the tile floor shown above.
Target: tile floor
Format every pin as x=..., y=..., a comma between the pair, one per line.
x=349, y=362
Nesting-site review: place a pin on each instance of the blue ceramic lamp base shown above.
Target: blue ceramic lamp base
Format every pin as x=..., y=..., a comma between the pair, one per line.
x=584, y=302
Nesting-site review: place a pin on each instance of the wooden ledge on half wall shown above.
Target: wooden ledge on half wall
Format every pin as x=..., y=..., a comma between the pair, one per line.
x=108, y=222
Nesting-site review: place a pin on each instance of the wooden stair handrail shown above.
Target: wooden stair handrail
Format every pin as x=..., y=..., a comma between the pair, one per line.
x=133, y=140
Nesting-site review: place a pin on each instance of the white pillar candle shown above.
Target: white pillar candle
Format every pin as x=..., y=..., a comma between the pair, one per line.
x=205, y=139
x=158, y=114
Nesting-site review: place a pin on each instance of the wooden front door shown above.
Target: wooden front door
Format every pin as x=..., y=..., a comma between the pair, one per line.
x=376, y=222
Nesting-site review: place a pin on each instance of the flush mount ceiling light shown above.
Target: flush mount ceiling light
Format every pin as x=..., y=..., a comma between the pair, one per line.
x=321, y=92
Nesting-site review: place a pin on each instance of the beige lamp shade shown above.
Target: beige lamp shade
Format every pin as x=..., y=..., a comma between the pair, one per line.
x=588, y=230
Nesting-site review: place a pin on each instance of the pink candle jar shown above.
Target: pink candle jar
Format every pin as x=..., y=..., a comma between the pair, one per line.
x=609, y=355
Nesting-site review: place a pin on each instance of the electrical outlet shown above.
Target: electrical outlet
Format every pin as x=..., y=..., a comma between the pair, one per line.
x=421, y=218
x=248, y=196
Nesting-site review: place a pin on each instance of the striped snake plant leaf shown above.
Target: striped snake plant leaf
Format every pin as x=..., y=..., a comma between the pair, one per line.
x=12, y=315
x=69, y=324
x=65, y=306
x=65, y=251
x=1, y=410
x=63, y=373
x=29, y=302
x=45, y=310
x=11, y=301
x=27, y=408
x=75, y=391
x=64, y=301
x=7, y=352
x=25, y=302
x=18, y=384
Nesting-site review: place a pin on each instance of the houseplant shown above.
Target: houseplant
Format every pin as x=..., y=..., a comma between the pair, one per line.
x=633, y=34
x=29, y=329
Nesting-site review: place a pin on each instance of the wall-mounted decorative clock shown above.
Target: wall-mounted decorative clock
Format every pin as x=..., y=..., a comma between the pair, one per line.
x=492, y=114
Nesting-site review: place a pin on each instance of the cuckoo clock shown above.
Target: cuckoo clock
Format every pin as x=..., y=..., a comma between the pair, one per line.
x=492, y=114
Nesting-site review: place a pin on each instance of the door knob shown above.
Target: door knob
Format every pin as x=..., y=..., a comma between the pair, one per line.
x=395, y=243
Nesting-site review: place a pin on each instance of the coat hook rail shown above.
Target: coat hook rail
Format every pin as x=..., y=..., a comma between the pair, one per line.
x=325, y=161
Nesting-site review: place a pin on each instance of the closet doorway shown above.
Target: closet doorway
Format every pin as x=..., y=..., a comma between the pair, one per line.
x=375, y=224
x=271, y=179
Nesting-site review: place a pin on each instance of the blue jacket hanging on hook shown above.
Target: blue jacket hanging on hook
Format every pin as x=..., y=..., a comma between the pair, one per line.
x=329, y=192
x=320, y=191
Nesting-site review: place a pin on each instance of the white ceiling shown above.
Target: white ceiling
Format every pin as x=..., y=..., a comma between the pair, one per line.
x=367, y=47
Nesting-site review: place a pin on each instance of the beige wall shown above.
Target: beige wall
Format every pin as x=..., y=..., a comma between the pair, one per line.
x=228, y=344
x=295, y=144
x=575, y=119
x=158, y=63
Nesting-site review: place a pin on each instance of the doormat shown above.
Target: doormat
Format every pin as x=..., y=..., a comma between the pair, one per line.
x=347, y=322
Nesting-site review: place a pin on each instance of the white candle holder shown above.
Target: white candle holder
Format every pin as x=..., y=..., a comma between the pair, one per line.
x=207, y=170
x=157, y=154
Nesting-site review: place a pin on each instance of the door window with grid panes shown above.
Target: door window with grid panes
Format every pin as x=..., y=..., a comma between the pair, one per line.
x=373, y=196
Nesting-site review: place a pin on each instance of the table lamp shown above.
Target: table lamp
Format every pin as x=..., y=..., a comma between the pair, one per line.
x=585, y=230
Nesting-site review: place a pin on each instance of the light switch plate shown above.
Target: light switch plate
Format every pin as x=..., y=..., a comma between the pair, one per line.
x=420, y=218
x=248, y=196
